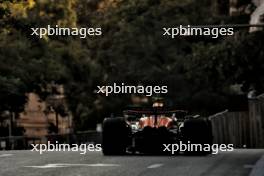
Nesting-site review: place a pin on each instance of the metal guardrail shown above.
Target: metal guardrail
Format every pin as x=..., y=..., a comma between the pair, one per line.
x=24, y=142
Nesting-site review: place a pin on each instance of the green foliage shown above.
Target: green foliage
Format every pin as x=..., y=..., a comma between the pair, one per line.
x=198, y=71
x=12, y=94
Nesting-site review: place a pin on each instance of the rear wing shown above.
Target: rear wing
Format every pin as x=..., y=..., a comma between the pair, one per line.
x=157, y=111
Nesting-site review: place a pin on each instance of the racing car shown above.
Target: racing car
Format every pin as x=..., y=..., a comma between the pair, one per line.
x=147, y=130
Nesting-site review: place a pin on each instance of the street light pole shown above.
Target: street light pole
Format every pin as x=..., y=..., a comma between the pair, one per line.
x=10, y=126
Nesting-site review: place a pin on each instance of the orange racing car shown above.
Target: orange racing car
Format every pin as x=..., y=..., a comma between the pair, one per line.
x=146, y=130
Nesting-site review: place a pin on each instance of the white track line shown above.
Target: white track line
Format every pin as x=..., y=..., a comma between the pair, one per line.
x=248, y=166
x=57, y=165
x=6, y=155
x=153, y=166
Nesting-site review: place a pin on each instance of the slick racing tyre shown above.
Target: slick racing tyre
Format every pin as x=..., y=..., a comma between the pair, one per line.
x=115, y=136
x=198, y=131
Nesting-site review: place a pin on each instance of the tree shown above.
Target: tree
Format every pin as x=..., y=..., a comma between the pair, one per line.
x=132, y=49
x=29, y=64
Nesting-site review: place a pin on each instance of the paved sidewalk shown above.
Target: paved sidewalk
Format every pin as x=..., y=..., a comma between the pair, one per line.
x=258, y=169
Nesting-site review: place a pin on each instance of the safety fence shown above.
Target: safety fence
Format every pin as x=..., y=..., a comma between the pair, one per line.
x=243, y=129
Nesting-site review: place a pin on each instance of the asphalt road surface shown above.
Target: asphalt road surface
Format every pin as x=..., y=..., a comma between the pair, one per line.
x=27, y=163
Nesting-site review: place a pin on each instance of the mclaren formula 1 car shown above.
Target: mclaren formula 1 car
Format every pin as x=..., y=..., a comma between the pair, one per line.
x=148, y=130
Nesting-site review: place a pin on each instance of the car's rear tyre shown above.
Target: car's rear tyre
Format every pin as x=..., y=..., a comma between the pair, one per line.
x=198, y=131
x=115, y=136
